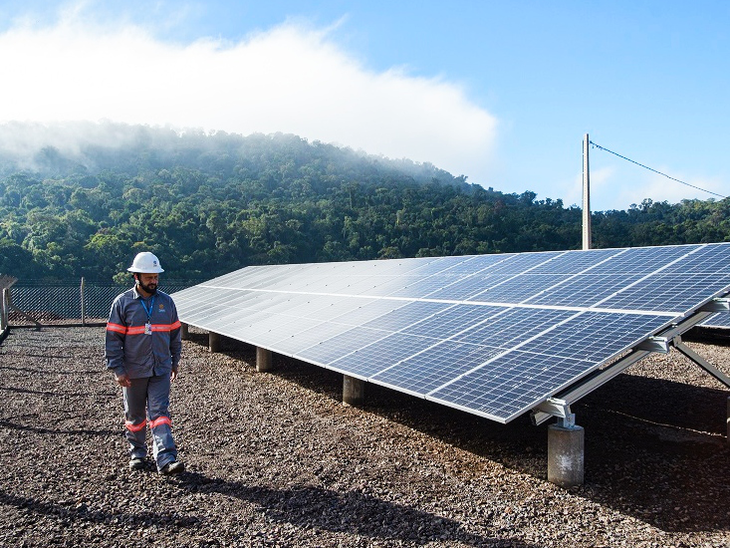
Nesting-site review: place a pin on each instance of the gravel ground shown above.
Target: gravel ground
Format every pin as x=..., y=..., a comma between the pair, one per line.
x=275, y=459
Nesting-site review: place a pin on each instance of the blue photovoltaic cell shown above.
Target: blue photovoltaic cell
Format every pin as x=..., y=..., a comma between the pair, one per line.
x=522, y=262
x=390, y=285
x=276, y=323
x=720, y=320
x=265, y=301
x=374, y=285
x=707, y=259
x=476, y=264
x=453, y=320
x=334, y=307
x=595, y=336
x=248, y=321
x=209, y=311
x=519, y=288
x=381, y=354
x=369, y=310
x=494, y=335
x=584, y=290
x=435, y=266
x=230, y=327
x=427, y=371
x=304, y=336
x=306, y=306
x=669, y=292
x=513, y=327
x=467, y=287
x=327, y=351
x=641, y=260
x=406, y=315
x=511, y=383
x=574, y=263
x=422, y=287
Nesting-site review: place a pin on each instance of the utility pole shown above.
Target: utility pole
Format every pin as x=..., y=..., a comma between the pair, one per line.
x=586, y=196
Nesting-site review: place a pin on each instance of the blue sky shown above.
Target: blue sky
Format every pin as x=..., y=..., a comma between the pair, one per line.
x=502, y=92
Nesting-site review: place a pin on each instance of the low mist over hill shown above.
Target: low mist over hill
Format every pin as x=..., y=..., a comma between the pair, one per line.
x=81, y=199
x=60, y=150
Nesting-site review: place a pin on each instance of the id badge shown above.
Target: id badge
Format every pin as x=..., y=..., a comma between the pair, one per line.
x=148, y=328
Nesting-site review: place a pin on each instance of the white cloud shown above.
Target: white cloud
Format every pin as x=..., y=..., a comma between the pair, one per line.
x=290, y=79
x=659, y=189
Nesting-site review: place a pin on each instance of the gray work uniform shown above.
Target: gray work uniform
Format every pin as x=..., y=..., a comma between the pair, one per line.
x=143, y=341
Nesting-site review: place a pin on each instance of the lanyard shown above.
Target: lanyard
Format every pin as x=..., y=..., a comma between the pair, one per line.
x=149, y=311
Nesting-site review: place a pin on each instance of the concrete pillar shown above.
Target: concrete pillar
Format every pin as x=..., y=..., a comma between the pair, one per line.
x=214, y=342
x=184, y=335
x=353, y=391
x=264, y=361
x=565, y=455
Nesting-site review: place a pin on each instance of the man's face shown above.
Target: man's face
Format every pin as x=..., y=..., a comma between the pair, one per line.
x=148, y=282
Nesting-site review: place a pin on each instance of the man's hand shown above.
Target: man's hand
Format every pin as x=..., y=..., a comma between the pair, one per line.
x=173, y=375
x=123, y=380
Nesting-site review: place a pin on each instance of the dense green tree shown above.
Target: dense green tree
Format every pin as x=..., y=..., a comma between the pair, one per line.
x=212, y=203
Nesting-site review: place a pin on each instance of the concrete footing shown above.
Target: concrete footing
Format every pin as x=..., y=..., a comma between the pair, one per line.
x=214, y=342
x=353, y=391
x=264, y=361
x=565, y=455
x=184, y=334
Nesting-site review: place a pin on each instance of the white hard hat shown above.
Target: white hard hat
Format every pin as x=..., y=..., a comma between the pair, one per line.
x=146, y=263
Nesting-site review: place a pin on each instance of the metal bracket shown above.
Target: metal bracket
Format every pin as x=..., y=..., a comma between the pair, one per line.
x=554, y=407
x=567, y=422
x=720, y=304
x=656, y=344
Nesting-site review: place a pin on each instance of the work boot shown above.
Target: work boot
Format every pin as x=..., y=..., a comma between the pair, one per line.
x=136, y=464
x=174, y=467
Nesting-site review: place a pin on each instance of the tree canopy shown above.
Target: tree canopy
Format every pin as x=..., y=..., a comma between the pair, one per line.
x=208, y=204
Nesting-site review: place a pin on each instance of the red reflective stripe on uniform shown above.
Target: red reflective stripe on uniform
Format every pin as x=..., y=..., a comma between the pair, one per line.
x=116, y=328
x=159, y=421
x=164, y=327
x=135, y=427
x=157, y=327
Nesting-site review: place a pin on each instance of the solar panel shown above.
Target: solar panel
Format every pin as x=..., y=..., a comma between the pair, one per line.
x=494, y=335
x=717, y=321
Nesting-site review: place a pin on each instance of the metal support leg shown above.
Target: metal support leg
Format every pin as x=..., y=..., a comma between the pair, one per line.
x=702, y=362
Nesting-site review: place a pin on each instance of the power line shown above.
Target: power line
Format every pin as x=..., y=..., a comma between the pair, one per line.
x=654, y=170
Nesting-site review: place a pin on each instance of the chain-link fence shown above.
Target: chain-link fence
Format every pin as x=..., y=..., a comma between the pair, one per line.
x=86, y=303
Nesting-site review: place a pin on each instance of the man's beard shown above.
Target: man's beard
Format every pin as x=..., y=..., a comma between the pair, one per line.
x=151, y=288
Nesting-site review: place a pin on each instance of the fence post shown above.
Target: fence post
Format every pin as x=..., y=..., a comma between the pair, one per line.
x=83, y=303
x=4, y=309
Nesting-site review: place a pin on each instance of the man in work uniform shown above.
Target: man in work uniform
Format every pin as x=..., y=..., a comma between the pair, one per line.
x=143, y=350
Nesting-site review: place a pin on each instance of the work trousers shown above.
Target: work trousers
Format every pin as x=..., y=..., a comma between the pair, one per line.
x=148, y=400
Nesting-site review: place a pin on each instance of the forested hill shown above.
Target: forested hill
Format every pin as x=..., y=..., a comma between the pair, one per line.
x=81, y=200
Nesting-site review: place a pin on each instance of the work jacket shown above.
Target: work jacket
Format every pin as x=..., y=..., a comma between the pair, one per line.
x=143, y=335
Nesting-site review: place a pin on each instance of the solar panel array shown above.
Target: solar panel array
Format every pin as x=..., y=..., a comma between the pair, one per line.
x=493, y=335
x=717, y=321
